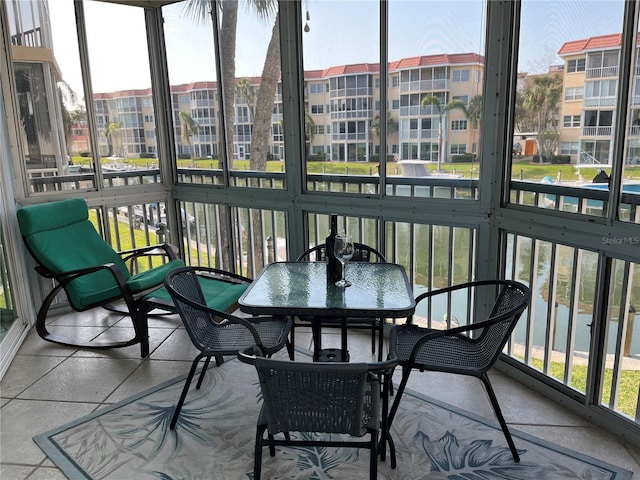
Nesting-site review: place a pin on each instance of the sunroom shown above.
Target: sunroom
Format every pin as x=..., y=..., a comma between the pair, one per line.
x=233, y=130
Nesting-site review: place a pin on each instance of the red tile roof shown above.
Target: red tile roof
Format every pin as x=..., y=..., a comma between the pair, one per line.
x=592, y=43
x=356, y=68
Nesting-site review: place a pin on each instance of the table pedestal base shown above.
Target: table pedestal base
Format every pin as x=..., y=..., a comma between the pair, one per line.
x=332, y=355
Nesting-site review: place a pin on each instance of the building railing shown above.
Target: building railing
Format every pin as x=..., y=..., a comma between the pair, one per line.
x=351, y=92
x=587, y=198
x=28, y=38
x=425, y=86
x=345, y=114
x=597, y=131
x=351, y=136
x=418, y=134
x=417, y=110
x=599, y=102
x=602, y=72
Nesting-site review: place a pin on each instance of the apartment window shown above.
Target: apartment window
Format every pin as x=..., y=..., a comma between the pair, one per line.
x=576, y=65
x=317, y=88
x=601, y=88
x=460, y=75
x=376, y=83
x=148, y=119
x=458, y=148
x=463, y=98
x=458, y=125
x=317, y=150
x=395, y=80
x=319, y=129
x=574, y=93
x=317, y=109
x=569, y=121
x=395, y=105
x=595, y=118
x=569, y=148
x=409, y=151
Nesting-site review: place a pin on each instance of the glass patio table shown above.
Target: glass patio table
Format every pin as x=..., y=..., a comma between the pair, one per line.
x=378, y=290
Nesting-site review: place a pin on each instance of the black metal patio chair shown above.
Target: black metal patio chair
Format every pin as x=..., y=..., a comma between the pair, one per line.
x=320, y=398
x=216, y=333
x=466, y=350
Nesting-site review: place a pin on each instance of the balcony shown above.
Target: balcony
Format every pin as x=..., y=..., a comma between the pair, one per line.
x=425, y=86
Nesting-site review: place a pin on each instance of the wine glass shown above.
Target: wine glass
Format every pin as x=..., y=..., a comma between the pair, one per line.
x=343, y=249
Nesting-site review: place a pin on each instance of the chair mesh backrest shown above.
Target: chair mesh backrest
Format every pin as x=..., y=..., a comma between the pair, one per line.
x=200, y=325
x=510, y=303
x=314, y=397
x=361, y=253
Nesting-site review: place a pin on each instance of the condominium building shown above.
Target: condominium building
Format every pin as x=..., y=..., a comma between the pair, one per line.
x=588, y=107
x=343, y=103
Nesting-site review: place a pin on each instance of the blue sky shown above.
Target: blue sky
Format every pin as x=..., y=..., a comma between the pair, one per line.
x=342, y=32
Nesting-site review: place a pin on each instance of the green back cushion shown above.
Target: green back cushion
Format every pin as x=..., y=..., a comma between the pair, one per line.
x=61, y=238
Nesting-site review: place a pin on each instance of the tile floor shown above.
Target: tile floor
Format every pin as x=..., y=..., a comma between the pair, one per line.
x=48, y=385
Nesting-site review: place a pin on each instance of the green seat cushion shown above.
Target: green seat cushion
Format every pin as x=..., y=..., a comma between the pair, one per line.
x=220, y=295
x=152, y=278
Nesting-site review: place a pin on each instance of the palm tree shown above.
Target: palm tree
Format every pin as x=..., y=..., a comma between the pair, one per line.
x=188, y=128
x=112, y=132
x=392, y=125
x=309, y=129
x=442, y=110
x=539, y=104
x=246, y=92
x=474, y=113
x=264, y=9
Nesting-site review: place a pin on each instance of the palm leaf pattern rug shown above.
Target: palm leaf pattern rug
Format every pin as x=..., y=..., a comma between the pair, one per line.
x=214, y=439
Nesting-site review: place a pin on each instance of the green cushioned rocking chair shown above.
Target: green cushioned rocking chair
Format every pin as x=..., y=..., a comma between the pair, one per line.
x=69, y=250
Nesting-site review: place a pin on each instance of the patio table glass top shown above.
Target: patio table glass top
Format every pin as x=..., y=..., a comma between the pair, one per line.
x=300, y=288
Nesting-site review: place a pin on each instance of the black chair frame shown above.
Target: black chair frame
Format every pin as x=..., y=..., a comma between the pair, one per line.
x=135, y=305
x=461, y=336
x=377, y=376
x=219, y=320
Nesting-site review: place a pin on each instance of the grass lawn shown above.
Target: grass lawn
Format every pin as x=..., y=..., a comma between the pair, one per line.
x=522, y=168
x=627, y=394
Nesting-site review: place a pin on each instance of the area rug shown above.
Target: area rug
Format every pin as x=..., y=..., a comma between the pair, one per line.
x=214, y=439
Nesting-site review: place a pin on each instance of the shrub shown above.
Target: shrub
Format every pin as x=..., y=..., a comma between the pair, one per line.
x=85, y=154
x=184, y=156
x=561, y=159
x=318, y=157
x=147, y=155
x=463, y=158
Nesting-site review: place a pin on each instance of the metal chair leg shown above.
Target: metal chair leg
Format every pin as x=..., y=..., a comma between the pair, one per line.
x=185, y=389
x=503, y=424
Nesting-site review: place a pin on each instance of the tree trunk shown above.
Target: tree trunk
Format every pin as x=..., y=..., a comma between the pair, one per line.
x=228, y=29
x=262, y=132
